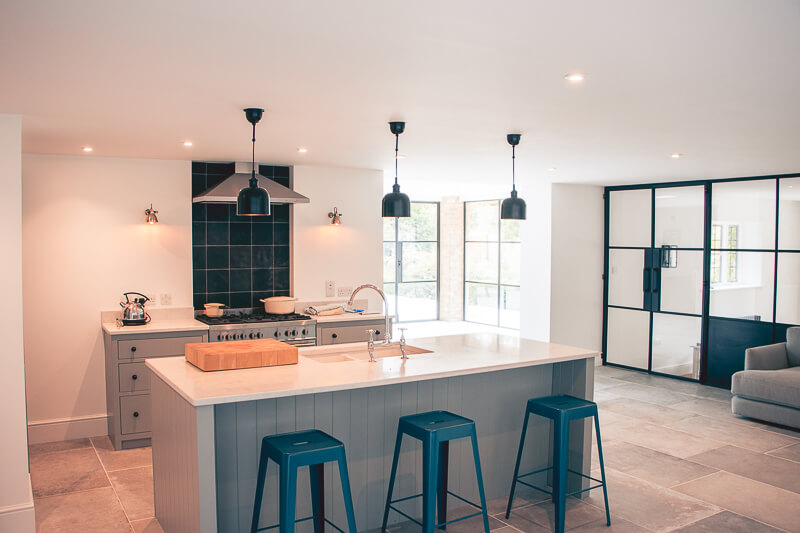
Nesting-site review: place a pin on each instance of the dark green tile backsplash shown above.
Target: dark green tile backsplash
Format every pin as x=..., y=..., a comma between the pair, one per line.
x=238, y=260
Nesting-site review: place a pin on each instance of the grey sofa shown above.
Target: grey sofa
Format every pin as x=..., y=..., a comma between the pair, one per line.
x=769, y=386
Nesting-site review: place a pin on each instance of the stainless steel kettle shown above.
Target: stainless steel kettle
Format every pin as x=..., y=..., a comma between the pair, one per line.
x=133, y=313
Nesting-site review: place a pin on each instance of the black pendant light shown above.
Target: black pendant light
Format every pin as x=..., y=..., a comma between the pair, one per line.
x=253, y=200
x=513, y=208
x=396, y=204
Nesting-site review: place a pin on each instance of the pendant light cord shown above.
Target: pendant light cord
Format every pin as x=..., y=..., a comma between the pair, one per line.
x=513, y=168
x=253, y=169
x=396, y=145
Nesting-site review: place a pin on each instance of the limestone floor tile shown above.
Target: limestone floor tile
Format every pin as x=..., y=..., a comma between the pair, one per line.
x=703, y=406
x=605, y=395
x=148, y=525
x=66, y=471
x=645, y=411
x=649, y=505
x=603, y=382
x=120, y=459
x=58, y=446
x=731, y=432
x=666, y=440
x=541, y=517
x=610, y=417
x=618, y=525
x=648, y=394
x=775, y=471
x=470, y=525
x=788, y=452
x=90, y=511
x=614, y=372
x=753, y=499
x=727, y=522
x=134, y=486
x=650, y=465
x=684, y=387
x=522, y=496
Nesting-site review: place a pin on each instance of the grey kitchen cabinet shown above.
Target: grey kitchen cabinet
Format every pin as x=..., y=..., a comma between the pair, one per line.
x=341, y=332
x=128, y=380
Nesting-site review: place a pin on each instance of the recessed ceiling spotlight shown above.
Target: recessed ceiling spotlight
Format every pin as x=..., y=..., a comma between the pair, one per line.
x=87, y=149
x=552, y=169
x=574, y=76
x=187, y=143
x=676, y=155
x=302, y=150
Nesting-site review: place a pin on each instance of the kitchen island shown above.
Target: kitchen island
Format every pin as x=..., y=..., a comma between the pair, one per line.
x=208, y=426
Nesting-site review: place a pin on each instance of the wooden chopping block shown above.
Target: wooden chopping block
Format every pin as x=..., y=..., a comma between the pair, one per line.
x=231, y=355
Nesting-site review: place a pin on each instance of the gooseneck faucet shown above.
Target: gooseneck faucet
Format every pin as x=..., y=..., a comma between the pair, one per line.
x=387, y=334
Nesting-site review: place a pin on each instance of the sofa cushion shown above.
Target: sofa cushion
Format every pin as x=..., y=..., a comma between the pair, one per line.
x=793, y=346
x=780, y=387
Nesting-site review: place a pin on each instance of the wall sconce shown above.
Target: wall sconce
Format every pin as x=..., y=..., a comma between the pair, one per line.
x=151, y=215
x=336, y=217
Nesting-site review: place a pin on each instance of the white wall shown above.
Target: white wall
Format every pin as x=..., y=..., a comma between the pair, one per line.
x=350, y=254
x=16, y=500
x=576, y=308
x=84, y=244
x=535, y=264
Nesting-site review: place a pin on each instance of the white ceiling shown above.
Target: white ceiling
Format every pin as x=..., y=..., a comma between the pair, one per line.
x=714, y=80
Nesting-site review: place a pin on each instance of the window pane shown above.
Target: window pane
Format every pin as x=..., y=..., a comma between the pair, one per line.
x=389, y=262
x=388, y=228
x=509, y=307
x=680, y=216
x=482, y=219
x=480, y=262
x=682, y=286
x=480, y=303
x=676, y=345
x=509, y=263
x=750, y=297
x=789, y=215
x=509, y=230
x=788, y=304
x=628, y=337
x=750, y=205
x=421, y=225
x=419, y=261
x=629, y=218
x=626, y=279
x=417, y=301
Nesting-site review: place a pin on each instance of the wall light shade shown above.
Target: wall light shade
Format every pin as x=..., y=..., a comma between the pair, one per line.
x=396, y=204
x=336, y=217
x=513, y=208
x=151, y=215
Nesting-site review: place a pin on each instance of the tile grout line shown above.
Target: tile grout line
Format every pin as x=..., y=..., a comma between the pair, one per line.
x=111, y=484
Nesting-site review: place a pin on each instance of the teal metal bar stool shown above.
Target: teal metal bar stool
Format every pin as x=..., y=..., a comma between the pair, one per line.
x=561, y=410
x=311, y=448
x=435, y=429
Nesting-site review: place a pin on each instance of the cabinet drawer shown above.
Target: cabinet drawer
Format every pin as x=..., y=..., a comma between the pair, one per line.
x=133, y=377
x=134, y=413
x=142, y=348
x=340, y=335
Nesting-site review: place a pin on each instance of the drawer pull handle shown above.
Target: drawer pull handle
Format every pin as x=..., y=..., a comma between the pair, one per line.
x=334, y=335
x=133, y=348
x=134, y=377
x=136, y=414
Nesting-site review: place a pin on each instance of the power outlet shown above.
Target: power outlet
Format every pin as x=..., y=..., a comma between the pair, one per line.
x=344, y=292
x=330, y=288
x=166, y=299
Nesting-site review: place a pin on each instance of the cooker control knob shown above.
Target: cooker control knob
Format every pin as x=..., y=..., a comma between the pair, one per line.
x=227, y=337
x=294, y=333
x=252, y=335
x=277, y=334
x=305, y=332
x=286, y=332
x=219, y=337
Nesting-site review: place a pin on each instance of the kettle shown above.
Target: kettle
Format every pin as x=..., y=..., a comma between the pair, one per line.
x=133, y=313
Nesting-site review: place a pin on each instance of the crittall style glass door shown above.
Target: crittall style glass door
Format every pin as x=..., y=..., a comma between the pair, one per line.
x=696, y=273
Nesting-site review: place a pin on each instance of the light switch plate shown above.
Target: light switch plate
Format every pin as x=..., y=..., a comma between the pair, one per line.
x=330, y=289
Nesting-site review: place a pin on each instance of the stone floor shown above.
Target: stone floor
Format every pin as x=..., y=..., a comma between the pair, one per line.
x=676, y=460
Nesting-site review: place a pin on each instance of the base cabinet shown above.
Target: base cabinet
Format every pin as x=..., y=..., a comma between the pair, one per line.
x=128, y=381
x=350, y=331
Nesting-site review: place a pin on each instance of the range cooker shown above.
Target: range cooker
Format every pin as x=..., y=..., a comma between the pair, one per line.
x=241, y=324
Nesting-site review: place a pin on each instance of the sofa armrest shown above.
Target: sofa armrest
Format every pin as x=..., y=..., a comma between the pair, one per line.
x=769, y=357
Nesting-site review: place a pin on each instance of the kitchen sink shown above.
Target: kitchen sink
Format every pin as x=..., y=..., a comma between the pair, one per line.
x=357, y=352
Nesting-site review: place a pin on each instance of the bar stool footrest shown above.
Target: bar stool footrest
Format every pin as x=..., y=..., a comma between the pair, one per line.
x=549, y=492
x=334, y=526
x=436, y=526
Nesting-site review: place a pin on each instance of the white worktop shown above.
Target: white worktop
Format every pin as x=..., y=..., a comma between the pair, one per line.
x=170, y=320
x=454, y=355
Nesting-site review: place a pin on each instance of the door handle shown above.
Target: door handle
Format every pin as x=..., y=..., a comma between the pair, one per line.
x=646, y=280
x=656, y=279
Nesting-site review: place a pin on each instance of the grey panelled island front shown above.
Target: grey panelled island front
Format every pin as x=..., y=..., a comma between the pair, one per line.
x=207, y=427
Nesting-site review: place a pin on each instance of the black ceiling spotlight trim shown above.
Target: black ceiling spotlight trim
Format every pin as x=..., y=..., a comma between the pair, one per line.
x=513, y=208
x=396, y=204
x=253, y=200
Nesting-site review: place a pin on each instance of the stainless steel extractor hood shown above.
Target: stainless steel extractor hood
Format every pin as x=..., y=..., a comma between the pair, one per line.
x=228, y=190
